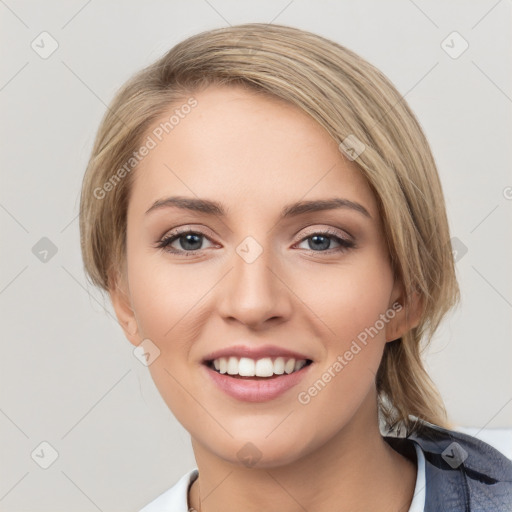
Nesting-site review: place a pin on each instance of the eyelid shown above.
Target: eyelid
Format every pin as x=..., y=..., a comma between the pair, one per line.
x=203, y=230
x=326, y=230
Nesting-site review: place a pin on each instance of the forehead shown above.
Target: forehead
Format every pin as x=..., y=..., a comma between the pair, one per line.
x=244, y=149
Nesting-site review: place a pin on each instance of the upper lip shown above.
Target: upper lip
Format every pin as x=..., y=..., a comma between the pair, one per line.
x=259, y=352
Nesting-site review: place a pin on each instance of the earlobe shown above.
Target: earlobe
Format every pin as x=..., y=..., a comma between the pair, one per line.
x=407, y=315
x=122, y=306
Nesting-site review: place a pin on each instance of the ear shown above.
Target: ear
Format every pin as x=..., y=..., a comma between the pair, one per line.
x=120, y=297
x=407, y=312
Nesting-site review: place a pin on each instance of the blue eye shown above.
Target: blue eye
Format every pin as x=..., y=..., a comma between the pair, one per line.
x=190, y=242
x=321, y=242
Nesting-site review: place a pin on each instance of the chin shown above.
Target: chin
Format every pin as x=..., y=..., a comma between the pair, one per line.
x=262, y=451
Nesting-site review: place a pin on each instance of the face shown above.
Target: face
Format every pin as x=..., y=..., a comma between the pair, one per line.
x=275, y=252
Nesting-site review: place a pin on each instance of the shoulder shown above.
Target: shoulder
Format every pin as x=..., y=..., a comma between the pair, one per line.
x=462, y=472
x=174, y=499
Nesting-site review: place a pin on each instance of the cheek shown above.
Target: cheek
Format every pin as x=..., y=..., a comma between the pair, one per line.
x=349, y=299
x=168, y=300
x=352, y=303
x=166, y=296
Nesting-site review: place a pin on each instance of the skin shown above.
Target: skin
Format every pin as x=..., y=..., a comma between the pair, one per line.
x=255, y=154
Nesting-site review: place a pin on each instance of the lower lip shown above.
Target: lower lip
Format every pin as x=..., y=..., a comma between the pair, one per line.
x=252, y=390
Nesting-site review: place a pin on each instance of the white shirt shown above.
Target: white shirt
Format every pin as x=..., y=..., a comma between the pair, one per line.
x=175, y=498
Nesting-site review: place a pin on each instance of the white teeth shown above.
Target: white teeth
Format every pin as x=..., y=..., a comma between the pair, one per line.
x=279, y=366
x=233, y=366
x=265, y=367
x=298, y=365
x=289, y=366
x=246, y=367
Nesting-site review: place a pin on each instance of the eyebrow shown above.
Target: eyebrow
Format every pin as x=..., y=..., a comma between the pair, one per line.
x=214, y=208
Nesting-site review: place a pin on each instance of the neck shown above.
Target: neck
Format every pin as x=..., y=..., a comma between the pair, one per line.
x=355, y=470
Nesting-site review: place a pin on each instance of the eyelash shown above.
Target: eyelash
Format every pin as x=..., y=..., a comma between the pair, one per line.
x=165, y=242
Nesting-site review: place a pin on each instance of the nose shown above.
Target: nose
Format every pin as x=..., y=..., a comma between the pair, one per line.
x=254, y=293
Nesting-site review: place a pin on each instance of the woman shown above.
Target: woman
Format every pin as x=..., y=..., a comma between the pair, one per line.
x=266, y=215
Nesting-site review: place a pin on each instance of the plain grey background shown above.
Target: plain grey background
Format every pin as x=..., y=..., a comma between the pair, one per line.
x=68, y=376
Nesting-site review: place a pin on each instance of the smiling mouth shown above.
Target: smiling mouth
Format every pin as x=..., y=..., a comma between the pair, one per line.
x=257, y=369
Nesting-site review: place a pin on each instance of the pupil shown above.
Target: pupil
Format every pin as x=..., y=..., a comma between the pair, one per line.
x=189, y=239
x=324, y=242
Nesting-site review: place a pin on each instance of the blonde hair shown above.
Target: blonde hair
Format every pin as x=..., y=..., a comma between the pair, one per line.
x=348, y=97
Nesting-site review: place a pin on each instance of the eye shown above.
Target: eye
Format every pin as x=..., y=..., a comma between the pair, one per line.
x=186, y=241
x=322, y=242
